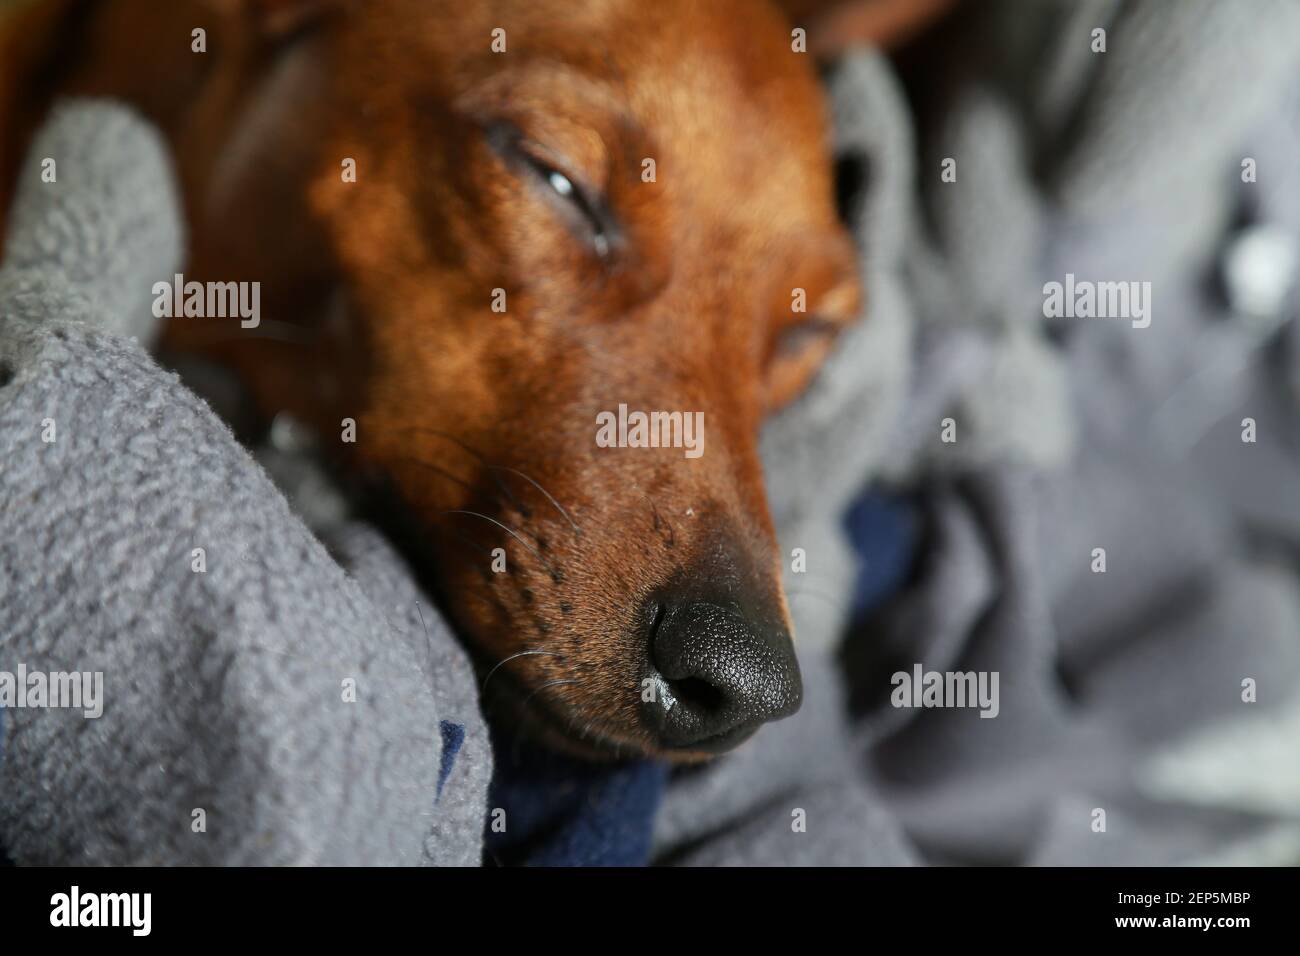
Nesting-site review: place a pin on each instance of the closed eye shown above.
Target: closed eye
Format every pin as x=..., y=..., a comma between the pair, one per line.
x=588, y=212
x=796, y=339
x=795, y=354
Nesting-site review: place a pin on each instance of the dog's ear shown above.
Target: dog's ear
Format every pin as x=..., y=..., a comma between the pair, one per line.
x=835, y=26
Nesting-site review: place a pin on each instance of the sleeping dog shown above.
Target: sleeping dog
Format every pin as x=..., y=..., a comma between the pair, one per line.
x=480, y=228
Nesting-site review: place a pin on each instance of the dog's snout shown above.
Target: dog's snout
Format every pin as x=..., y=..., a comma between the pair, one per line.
x=719, y=677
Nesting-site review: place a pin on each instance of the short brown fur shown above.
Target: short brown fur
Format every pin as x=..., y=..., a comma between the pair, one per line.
x=386, y=284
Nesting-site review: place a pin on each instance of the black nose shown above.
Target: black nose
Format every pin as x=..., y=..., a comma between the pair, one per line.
x=718, y=677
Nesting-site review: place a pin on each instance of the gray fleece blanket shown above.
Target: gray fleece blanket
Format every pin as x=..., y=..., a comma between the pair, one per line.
x=1149, y=711
x=267, y=696
x=276, y=690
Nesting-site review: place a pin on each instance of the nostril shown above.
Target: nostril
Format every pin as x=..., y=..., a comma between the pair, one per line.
x=698, y=694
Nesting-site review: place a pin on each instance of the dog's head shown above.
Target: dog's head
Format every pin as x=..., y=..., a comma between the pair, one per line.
x=544, y=236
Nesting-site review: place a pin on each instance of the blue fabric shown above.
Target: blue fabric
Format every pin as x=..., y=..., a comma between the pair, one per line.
x=565, y=812
x=453, y=735
x=884, y=531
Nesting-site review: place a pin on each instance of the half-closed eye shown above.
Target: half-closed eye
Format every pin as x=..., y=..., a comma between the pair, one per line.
x=586, y=211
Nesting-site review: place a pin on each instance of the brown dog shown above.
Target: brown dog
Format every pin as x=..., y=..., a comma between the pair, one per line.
x=558, y=209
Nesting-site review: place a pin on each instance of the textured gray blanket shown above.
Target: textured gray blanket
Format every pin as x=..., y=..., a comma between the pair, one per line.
x=267, y=697
x=1149, y=712
x=273, y=694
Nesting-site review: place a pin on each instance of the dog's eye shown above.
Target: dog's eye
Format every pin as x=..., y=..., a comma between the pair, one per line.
x=588, y=212
x=593, y=219
x=794, y=357
x=796, y=339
